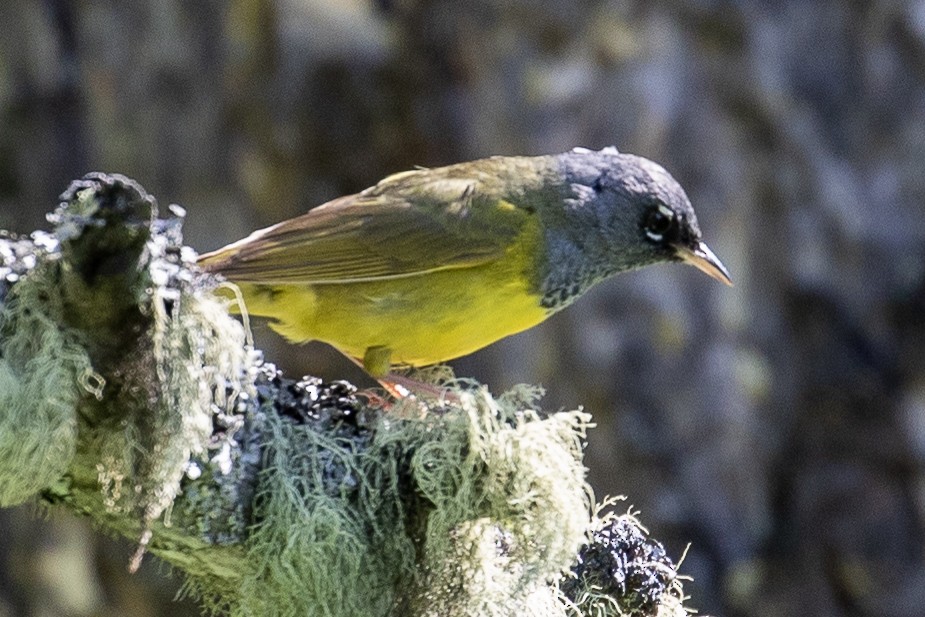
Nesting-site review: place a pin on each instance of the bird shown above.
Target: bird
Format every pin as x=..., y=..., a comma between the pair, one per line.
x=432, y=264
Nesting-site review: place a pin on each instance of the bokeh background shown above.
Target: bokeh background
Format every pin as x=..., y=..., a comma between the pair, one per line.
x=777, y=428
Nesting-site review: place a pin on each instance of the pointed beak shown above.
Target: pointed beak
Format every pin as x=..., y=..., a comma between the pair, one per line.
x=702, y=258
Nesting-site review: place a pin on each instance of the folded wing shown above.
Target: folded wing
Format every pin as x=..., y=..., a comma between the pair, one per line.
x=406, y=225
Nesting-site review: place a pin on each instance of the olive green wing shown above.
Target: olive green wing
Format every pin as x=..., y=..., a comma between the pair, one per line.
x=406, y=225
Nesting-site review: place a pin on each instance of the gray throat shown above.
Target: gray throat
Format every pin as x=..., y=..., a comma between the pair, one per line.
x=570, y=271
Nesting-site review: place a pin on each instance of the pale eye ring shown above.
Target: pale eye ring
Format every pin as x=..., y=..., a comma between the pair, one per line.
x=658, y=221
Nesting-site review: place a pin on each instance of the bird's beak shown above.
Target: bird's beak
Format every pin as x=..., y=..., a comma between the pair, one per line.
x=702, y=258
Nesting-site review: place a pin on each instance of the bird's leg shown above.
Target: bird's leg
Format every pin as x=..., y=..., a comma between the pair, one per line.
x=397, y=390
x=394, y=382
x=372, y=358
x=377, y=363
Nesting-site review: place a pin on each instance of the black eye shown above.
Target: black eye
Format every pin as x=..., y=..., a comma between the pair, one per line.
x=659, y=220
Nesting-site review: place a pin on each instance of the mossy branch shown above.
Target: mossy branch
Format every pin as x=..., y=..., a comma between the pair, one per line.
x=129, y=395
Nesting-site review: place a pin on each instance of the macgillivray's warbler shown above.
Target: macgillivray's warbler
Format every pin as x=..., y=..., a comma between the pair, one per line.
x=432, y=264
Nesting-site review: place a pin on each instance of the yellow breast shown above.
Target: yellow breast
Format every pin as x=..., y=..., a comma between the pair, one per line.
x=423, y=319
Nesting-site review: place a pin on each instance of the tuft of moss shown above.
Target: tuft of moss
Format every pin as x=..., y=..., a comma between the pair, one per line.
x=44, y=373
x=472, y=509
x=511, y=505
x=195, y=361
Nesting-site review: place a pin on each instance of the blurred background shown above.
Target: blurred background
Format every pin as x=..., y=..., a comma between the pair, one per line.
x=777, y=428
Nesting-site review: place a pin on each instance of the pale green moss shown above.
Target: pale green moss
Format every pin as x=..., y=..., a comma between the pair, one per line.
x=511, y=507
x=472, y=510
x=199, y=356
x=44, y=372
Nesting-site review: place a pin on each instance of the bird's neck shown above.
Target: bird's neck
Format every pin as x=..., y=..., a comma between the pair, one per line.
x=582, y=248
x=571, y=268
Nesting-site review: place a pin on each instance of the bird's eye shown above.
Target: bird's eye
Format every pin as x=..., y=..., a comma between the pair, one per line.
x=658, y=221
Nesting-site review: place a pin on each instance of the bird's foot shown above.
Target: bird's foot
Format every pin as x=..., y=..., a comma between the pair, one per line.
x=403, y=386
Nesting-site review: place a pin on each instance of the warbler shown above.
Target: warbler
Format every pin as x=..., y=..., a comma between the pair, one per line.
x=432, y=264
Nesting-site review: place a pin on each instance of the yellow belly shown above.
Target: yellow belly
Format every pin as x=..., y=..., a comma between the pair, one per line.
x=422, y=319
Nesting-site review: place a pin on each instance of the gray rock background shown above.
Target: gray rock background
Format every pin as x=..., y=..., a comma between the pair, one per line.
x=778, y=428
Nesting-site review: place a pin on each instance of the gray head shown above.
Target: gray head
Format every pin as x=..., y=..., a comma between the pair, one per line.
x=621, y=212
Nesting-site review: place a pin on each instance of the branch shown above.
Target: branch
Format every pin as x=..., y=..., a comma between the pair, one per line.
x=129, y=395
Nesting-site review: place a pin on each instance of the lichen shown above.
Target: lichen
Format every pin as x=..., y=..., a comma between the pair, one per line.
x=44, y=372
x=470, y=510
